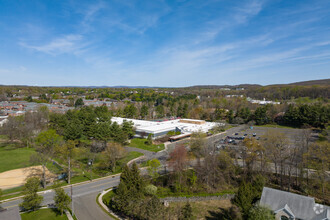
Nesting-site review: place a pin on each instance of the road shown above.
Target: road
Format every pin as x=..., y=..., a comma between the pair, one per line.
x=84, y=197
x=84, y=194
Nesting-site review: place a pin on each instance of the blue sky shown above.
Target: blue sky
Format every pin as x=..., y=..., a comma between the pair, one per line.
x=163, y=43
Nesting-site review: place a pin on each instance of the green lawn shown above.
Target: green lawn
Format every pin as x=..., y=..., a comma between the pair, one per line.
x=130, y=156
x=140, y=143
x=44, y=214
x=107, y=197
x=274, y=126
x=14, y=158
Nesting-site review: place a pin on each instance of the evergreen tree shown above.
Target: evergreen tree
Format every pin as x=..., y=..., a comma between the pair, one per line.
x=31, y=200
x=244, y=198
x=144, y=111
x=62, y=200
x=130, y=192
x=79, y=102
x=186, y=212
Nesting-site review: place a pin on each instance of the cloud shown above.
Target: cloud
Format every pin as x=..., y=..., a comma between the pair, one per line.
x=249, y=10
x=71, y=43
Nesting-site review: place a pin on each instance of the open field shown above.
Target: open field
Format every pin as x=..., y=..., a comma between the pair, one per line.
x=44, y=214
x=17, y=177
x=139, y=143
x=14, y=158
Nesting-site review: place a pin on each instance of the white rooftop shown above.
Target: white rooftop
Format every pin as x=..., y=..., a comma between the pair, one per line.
x=157, y=127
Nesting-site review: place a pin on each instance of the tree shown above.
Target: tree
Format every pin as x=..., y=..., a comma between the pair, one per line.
x=154, y=164
x=46, y=142
x=31, y=200
x=67, y=152
x=276, y=145
x=319, y=160
x=178, y=158
x=79, y=103
x=128, y=129
x=130, y=111
x=62, y=200
x=149, y=140
x=253, y=151
x=260, y=115
x=198, y=144
x=186, y=212
x=244, y=198
x=130, y=191
x=261, y=213
x=113, y=152
x=160, y=111
x=144, y=111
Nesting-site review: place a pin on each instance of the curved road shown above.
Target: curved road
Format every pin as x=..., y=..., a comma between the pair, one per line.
x=84, y=197
x=84, y=194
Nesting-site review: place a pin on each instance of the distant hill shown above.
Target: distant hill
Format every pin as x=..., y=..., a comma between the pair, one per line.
x=324, y=82
x=312, y=82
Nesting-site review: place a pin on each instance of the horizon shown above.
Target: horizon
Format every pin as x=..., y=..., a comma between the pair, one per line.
x=157, y=43
x=142, y=87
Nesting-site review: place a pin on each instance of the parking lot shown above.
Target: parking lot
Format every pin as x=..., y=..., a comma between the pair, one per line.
x=235, y=137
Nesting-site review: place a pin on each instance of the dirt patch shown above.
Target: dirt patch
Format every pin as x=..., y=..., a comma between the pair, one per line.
x=17, y=177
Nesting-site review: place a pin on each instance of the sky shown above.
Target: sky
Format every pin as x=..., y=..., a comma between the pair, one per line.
x=163, y=43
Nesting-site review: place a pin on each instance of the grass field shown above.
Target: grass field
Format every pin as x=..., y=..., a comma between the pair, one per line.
x=140, y=143
x=44, y=214
x=14, y=158
x=274, y=126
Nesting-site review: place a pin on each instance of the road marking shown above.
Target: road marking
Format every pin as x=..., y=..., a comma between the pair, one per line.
x=9, y=206
x=101, y=184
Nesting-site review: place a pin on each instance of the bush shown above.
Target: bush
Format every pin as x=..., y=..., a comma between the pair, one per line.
x=151, y=189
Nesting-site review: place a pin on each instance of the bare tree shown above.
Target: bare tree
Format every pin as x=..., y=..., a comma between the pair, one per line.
x=319, y=160
x=178, y=160
x=113, y=152
x=276, y=147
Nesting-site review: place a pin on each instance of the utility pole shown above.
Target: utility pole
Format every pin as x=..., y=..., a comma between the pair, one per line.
x=72, y=202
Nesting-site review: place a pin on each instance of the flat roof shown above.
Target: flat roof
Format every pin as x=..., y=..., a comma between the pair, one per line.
x=157, y=127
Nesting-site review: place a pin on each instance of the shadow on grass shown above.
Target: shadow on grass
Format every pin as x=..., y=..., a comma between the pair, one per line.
x=57, y=212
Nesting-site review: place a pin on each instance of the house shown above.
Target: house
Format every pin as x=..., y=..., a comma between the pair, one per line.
x=291, y=206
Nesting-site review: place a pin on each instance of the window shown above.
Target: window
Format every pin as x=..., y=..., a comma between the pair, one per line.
x=283, y=217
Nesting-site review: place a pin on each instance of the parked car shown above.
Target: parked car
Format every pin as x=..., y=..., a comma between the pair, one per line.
x=254, y=134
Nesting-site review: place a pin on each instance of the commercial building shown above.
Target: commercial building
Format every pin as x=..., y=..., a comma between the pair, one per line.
x=159, y=129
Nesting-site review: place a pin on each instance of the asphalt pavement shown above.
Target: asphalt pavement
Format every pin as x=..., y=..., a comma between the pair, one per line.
x=84, y=197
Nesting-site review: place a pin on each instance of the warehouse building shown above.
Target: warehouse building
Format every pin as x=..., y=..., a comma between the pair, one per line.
x=159, y=129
